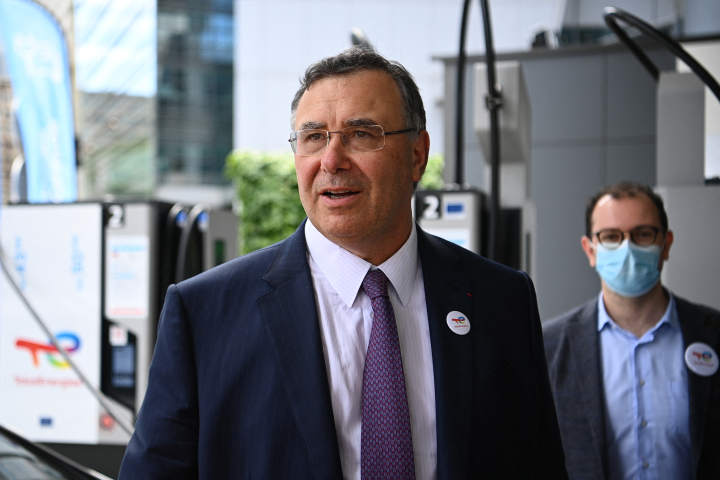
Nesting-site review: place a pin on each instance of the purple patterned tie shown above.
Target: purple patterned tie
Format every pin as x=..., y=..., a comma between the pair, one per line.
x=386, y=443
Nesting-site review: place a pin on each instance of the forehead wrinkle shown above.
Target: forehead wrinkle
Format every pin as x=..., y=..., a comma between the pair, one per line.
x=340, y=102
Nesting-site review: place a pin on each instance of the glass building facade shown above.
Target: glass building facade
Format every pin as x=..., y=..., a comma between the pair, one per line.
x=116, y=79
x=195, y=90
x=155, y=94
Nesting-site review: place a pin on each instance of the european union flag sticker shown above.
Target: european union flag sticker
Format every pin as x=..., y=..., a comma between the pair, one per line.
x=46, y=422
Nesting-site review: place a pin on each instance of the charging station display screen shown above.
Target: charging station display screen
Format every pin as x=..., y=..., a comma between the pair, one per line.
x=123, y=367
x=119, y=363
x=127, y=277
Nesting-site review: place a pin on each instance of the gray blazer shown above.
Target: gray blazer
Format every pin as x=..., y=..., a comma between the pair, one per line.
x=574, y=366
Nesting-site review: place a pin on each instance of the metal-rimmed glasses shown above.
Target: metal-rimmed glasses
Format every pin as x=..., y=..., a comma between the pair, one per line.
x=612, y=238
x=357, y=139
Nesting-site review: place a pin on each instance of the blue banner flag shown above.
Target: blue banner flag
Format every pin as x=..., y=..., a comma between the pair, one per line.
x=37, y=61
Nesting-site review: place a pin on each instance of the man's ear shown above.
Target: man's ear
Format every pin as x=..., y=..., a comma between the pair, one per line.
x=669, y=239
x=420, y=153
x=589, y=249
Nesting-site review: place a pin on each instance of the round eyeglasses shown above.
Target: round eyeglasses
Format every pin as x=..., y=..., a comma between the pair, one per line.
x=612, y=238
x=362, y=138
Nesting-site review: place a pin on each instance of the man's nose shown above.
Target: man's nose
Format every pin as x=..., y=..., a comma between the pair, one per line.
x=335, y=157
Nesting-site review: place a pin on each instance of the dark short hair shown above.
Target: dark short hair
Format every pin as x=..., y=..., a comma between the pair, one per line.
x=624, y=190
x=360, y=58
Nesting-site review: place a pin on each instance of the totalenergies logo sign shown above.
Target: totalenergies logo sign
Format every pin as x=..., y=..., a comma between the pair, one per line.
x=704, y=356
x=69, y=341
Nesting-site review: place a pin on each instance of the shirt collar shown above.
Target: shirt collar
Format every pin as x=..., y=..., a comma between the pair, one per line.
x=670, y=316
x=345, y=271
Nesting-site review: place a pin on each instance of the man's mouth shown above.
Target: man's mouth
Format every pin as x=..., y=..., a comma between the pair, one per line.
x=339, y=193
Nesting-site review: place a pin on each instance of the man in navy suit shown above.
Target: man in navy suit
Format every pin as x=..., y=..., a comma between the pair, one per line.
x=260, y=366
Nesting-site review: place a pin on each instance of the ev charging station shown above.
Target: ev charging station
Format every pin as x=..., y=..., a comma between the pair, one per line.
x=457, y=216
x=56, y=255
x=461, y=215
x=97, y=274
x=688, y=117
x=517, y=213
x=688, y=142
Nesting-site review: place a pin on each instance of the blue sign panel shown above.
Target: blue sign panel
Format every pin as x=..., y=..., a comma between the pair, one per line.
x=36, y=56
x=455, y=207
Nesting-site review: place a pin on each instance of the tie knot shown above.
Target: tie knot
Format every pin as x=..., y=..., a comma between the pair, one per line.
x=375, y=284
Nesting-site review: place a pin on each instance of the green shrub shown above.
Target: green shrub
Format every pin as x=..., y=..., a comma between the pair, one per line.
x=267, y=192
x=433, y=178
x=266, y=189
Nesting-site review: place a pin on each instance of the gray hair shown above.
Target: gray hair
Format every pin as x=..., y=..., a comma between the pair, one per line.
x=359, y=58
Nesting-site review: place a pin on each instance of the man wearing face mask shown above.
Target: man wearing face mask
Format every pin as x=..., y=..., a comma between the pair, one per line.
x=634, y=372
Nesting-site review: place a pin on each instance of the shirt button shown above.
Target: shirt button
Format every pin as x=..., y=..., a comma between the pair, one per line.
x=646, y=464
x=643, y=423
x=642, y=382
x=372, y=314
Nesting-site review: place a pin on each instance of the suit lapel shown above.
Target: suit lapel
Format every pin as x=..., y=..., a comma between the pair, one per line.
x=697, y=327
x=584, y=344
x=290, y=315
x=452, y=355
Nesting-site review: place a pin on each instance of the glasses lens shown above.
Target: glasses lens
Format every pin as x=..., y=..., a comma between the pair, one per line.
x=366, y=138
x=644, y=235
x=310, y=142
x=610, y=238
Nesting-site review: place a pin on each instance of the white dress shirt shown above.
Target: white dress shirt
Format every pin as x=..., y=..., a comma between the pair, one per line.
x=345, y=314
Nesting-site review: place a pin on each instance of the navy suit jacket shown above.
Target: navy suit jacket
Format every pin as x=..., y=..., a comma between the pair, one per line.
x=238, y=386
x=572, y=346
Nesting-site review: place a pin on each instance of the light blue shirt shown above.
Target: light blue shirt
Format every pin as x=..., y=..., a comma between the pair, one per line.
x=647, y=414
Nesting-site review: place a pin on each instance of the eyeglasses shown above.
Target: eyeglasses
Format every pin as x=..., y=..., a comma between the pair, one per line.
x=612, y=238
x=359, y=139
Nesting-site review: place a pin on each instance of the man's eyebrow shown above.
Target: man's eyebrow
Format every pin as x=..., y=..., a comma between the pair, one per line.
x=353, y=122
x=360, y=122
x=311, y=125
x=645, y=225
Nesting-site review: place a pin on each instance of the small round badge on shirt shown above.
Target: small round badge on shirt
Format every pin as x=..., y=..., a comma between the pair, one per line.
x=701, y=359
x=458, y=322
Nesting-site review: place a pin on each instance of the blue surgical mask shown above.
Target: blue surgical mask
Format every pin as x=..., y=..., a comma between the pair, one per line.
x=629, y=270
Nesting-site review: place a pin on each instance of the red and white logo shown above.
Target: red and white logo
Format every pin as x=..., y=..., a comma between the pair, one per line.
x=458, y=322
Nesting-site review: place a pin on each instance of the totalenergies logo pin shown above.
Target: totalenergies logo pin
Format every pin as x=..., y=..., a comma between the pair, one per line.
x=701, y=359
x=69, y=341
x=704, y=356
x=458, y=322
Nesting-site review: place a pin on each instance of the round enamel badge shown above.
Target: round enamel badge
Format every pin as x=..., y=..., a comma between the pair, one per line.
x=458, y=323
x=701, y=359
